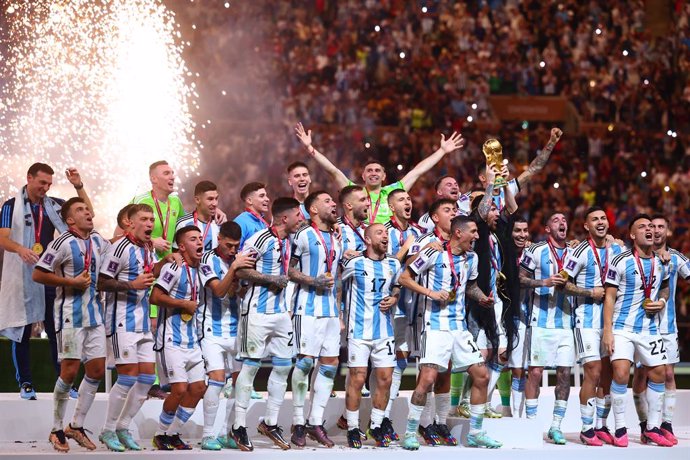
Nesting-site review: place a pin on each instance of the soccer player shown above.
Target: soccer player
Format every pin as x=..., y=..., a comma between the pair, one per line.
x=551, y=331
x=256, y=203
x=266, y=326
x=126, y=275
x=587, y=266
x=28, y=222
x=402, y=230
x=355, y=203
x=678, y=265
x=71, y=263
x=374, y=174
x=316, y=255
x=299, y=180
x=204, y=216
x=447, y=276
x=447, y=187
x=123, y=224
x=636, y=293
x=370, y=292
x=217, y=319
x=177, y=291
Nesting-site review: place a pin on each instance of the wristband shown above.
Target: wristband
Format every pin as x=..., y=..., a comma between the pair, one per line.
x=79, y=187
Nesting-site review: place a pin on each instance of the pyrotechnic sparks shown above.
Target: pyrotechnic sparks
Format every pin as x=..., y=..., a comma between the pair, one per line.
x=99, y=85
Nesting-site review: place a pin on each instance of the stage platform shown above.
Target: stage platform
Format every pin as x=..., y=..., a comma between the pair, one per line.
x=26, y=424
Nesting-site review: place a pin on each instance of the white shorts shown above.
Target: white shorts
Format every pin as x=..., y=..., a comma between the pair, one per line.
x=483, y=342
x=83, y=343
x=551, y=347
x=440, y=347
x=519, y=355
x=381, y=352
x=219, y=353
x=649, y=350
x=181, y=365
x=130, y=348
x=671, y=345
x=261, y=335
x=402, y=333
x=589, y=346
x=317, y=337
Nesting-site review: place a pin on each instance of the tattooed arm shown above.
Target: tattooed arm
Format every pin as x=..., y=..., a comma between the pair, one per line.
x=487, y=201
x=540, y=161
x=527, y=280
x=320, y=282
x=475, y=293
x=257, y=277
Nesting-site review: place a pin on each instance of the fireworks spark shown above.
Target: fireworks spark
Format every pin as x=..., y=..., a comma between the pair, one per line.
x=96, y=84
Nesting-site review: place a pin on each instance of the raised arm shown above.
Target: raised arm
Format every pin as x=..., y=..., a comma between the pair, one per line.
x=485, y=205
x=74, y=178
x=256, y=277
x=339, y=178
x=511, y=204
x=454, y=142
x=540, y=161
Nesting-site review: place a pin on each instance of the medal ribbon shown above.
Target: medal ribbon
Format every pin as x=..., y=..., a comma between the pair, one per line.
x=208, y=225
x=602, y=269
x=284, y=251
x=193, y=283
x=559, y=260
x=164, y=223
x=455, y=279
x=258, y=216
x=375, y=210
x=148, y=252
x=354, y=229
x=38, y=222
x=87, y=251
x=438, y=235
x=646, y=286
x=330, y=254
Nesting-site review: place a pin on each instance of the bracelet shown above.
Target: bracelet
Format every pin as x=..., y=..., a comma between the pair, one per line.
x=79, y=187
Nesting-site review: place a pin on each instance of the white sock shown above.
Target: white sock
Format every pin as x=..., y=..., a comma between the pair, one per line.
x=669, y=405
x=517, y=396
x=442, y=401
x=60, y=398
x=618, y=392
x=211, y=403
x=116, y=400
x=229, y=413
x=559, y=408
x=277, y=384
x=427, y=416
x=243, y=391
x=164, y=421
x=655, y=403
x=395, y=388
x=135, y=399
x=640, y=400
x=87, y=392
x=300, y=386
x=376, y=417
x=531, y=408
x=476, y=417
x=413, y=417
x=181, y=416
x=601, y=412
x=323, y=384
x=352, y=417
x=587, y=414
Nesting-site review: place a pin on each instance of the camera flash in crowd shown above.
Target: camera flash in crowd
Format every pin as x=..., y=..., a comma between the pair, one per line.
x=469, y=118
x=598, y=31
x=402, y=55
x=474, y=106
x=667, y=189
x=625, y=52
x=643, y=174
x=377, y=28
x=542, y=64
x=556, y=185
x=424, y=9
x=400, y=167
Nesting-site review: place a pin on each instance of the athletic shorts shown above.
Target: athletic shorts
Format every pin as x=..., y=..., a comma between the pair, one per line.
x=130, y=348
x=440, y=347
x=181, y=365
x=650, y=350
x=261, y=335
x=316, y=336
x=671, y=345
x=589, y=346
x=551, y=348
x=83, y=343
x=483, y=341
x=219, y=353
x=381, y=352
x=519, y=356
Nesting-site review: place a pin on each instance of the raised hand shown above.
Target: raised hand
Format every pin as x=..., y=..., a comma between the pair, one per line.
x=73, y=177
x=304, y=136
x=556, y=135
x=454, y=142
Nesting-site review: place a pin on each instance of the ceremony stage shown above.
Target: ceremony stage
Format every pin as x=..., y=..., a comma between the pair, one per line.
x=26, y=425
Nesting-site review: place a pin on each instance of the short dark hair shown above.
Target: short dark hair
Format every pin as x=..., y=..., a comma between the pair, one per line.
x=283, y=204
x=122, y=213
x=658, y=215
x=136, y=208
x=250, y=188
x=204, y=186
x=437, y=184
x=183, y=231
x=395, y=192
x=549, y=215
x=638, y=217
x=39, y=167
x=433, y=209
x=64, y=211
x=312, y=197
x=156, y=164
x=592, y=209
x=230, y=229
x=372, y=161
x=519, y=220
x=296, y=164
x=349, y=190
x=460, y=222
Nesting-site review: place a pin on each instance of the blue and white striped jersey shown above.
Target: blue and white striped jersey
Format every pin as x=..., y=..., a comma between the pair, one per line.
x=434, y=272
x=269, y=261
x=628, y=314
x=216, y=316
x=209, y=231
x=679, y=265
x=581, y=265
x=352, y=241
x=181, y=282
x=422, y=241
x=396, y=238
x=66, y=256
x=309, y=252
x=414, y=303
x=126, y=311
x=366, y=282
x=551, y=308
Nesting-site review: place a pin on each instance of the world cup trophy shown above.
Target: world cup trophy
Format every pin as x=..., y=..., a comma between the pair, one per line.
x=494, y=157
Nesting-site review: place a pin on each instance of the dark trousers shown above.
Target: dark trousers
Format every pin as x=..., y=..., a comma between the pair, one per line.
x=21, y=356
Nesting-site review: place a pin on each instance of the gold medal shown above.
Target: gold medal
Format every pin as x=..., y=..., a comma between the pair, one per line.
x=328, y=275
x=452, y=295
x=37, y=248
x=646, y=302
x=186, y=317
x=564, y=274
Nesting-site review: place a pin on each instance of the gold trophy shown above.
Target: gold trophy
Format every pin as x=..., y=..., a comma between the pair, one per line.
x=494, y=157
